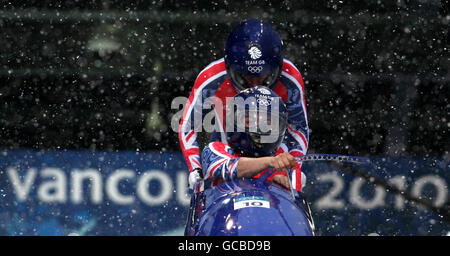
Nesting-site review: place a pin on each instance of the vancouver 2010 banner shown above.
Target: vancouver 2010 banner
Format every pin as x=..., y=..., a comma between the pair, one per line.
x=146, y=194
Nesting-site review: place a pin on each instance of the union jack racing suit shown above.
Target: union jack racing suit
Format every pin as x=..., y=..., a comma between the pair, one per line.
x=213, y=82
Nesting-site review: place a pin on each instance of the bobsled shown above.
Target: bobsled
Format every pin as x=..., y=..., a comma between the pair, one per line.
x=249, y=207
x=255, y=207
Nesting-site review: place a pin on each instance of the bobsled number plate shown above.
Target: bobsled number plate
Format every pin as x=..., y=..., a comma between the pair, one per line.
x=252, y=201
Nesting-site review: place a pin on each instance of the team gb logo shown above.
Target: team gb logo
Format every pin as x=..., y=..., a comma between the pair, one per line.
x=254, y=52
x=264, y=91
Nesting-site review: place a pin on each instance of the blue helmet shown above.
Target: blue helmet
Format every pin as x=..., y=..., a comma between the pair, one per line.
x=256, y=120
x=253, y=49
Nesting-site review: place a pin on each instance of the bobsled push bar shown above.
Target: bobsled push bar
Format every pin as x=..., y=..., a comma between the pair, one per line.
x=327, y=157
x=332, y=157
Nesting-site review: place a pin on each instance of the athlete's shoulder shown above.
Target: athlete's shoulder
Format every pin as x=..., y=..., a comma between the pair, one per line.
x=214, y=68
x=220, y=148
x=292, y=73
x=214, y=71
x=290, y=68
x=218, y=145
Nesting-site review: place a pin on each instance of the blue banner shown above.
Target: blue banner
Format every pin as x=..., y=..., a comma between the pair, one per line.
x=344, y=204
x=145, y=193
x=92, y=193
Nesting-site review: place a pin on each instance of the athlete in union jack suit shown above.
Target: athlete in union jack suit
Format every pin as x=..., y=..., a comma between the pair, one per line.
x=253, y=56
x=257, y=130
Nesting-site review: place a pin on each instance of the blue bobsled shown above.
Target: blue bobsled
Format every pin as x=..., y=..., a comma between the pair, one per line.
x=248, y=207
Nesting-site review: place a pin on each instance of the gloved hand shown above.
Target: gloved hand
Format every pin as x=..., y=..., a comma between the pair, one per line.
x=195, y=176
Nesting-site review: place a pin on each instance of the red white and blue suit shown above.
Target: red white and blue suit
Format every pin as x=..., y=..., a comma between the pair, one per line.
x=213, y=82
x=220, y=163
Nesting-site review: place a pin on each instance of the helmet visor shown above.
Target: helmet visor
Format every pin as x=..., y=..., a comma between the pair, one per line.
x=263, y=126
x=249, y=80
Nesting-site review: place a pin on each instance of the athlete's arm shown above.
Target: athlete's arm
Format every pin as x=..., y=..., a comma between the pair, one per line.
x=248, y=167
x=297, y=133
x=193, y=114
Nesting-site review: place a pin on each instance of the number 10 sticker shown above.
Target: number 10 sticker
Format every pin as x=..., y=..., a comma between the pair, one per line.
x=254, y=201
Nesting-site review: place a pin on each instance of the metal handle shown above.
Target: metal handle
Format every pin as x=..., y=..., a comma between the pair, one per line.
x=333, y=157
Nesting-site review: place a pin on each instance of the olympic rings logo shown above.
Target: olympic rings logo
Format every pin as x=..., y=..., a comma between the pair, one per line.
x=255, y=69
x=264, y=102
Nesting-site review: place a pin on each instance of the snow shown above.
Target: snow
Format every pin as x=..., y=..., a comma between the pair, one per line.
x=101, y=76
